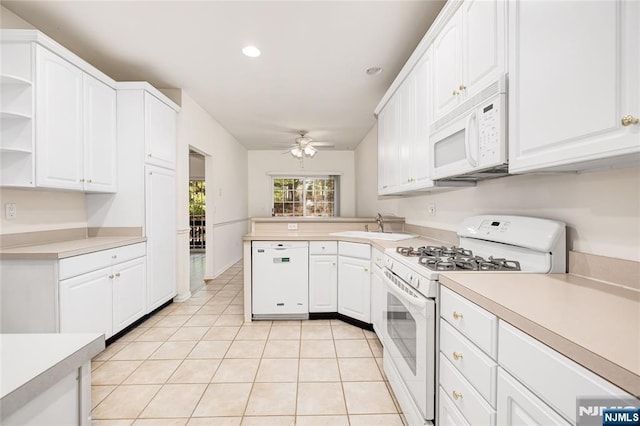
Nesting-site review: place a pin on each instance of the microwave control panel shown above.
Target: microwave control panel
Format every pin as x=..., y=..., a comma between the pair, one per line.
x=490, y=132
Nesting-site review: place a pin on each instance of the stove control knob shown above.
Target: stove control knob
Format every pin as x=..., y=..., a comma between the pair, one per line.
x=389, y=263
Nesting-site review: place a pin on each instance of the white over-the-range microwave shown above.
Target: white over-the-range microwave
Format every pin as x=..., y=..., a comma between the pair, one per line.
x=470, y=143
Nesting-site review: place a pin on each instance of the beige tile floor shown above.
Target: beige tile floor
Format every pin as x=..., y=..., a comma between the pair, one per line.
x=198, y=363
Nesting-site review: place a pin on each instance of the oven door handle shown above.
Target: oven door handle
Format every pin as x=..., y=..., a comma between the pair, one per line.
x=417, y=301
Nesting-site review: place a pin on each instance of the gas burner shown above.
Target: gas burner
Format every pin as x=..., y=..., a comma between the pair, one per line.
x=410, y=251
x=463, y=260
x=503, y=264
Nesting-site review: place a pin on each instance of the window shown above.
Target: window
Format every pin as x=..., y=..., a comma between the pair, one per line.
x=305, y=196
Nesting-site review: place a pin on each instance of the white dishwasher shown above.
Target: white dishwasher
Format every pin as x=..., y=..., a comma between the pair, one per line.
x=280, y=279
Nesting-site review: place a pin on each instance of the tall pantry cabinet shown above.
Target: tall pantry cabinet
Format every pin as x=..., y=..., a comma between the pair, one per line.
x=146, y=196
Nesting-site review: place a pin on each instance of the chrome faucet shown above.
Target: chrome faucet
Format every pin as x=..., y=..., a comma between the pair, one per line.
x=380, y=222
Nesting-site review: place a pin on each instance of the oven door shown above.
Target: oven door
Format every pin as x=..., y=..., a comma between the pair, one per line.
x=410, y=328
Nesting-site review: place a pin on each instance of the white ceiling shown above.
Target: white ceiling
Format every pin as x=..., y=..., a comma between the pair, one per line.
x=311, y=75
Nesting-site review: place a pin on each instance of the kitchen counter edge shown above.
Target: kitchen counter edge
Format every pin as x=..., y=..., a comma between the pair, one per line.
x=64, y=249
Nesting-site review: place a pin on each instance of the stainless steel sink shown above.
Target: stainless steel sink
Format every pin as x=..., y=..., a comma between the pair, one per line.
x=386, y=236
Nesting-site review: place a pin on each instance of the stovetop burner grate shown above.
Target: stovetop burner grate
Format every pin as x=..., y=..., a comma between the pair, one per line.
x=441, y=258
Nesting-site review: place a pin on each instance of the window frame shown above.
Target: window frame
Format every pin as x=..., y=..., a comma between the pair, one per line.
x=303, y=201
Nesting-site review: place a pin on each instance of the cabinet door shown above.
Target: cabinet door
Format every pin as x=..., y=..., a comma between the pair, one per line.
x=406, y=129
x=423, y=74
x=483, y=44
x=388, y=141
x=99, y=136
x=129, y=287
x=518, y=406
x=160, y=132
x=354, y=288
x=377, y=302
x=566, y=104
x=447, y=66
x=59, y=136
x=323, y=283
x=160, y=230
x=85, y=303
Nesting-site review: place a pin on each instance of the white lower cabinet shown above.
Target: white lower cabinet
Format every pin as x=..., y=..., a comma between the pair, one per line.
x=493, y=373
x=354, y=280
x=85, y=303
x=128, y=295
x=519, y=406
x=101, y=292
x=323, y=276
x=378, y=293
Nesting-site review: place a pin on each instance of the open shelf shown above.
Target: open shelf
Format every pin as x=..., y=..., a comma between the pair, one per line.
x=10, y=80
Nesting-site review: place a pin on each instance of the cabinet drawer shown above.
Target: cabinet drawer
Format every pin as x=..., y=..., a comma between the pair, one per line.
x=556, y=379
x=475, y=323
x=464, y=397
x=448, y=414
x=76, y=265
x=358, y=250
x=323, y=247
x=475, y=365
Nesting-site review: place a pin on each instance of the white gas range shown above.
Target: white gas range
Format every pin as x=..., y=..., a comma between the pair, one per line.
x=487, y=243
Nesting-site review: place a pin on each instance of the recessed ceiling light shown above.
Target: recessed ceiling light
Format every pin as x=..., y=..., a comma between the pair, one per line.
x=374, y=70
x=251, y=51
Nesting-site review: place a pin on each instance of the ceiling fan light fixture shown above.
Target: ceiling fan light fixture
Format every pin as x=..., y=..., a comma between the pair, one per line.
x=251, y=51
x=310, y=151
x=296, y=152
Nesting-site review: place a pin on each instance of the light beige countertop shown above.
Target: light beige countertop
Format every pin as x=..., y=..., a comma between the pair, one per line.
x=594, y=323
x=63, y=249
x=33, y=362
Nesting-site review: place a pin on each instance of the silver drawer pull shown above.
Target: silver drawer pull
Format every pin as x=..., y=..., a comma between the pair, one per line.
x=457, y=395
x=117, y=274
x=457, y=315
x=457, y=356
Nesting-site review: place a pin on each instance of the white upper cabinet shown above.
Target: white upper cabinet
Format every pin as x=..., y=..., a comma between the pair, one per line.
x=59, y=137
x=160, y=132
x=403, y=133
x=468, y=53
x=100, y=136
x=573, y=77
x=58, y=117
x=388, y=172
x=447, y=54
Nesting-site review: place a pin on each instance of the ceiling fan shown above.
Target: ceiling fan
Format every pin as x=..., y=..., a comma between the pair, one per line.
x=305, y=147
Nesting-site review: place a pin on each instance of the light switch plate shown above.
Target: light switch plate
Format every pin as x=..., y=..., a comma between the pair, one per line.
x=292, y=226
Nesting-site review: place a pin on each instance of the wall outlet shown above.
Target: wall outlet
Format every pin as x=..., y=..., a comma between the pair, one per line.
x=292, y=226
x=10, y=211
x=431, y=209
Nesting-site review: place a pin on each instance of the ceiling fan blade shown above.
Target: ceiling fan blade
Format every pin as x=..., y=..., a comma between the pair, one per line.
x=322, y=144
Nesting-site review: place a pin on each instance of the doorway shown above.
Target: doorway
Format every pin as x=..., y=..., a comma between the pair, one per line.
x=197, y=221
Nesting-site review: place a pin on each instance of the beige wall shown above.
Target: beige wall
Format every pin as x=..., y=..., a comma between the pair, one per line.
x=366, y=163
x=8, y=19
x=43, y=210
x=226, y=189
x=329, y=162
x=601, y=209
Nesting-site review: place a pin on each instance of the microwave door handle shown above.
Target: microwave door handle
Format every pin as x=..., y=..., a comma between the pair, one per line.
x=467, y=140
